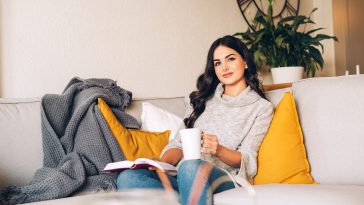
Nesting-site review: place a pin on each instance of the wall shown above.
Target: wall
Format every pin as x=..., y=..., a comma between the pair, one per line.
x=323, y=18
x=153, y=48
x=356, y=33
x=348, y=17
x=340, y=8
x=1, y=89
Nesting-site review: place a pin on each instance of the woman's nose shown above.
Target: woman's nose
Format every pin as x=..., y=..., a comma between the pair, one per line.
x=225, y=67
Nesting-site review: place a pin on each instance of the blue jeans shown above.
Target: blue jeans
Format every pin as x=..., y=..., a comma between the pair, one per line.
x=183, y=183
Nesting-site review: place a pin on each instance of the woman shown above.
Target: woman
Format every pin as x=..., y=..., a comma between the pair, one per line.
x=231, y=109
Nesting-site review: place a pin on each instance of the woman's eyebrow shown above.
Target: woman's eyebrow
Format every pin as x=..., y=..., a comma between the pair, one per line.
x=229, y=55
x=225, y=57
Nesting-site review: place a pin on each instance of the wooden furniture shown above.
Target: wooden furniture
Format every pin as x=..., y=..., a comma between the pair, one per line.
x=270, y=87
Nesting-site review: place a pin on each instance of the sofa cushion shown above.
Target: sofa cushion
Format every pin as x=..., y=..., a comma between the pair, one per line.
x=21, y=142
x=282, y=155
x=134, y=143
x=294, y=194
x=331, y=112
x=275, y=96
x=156, y=119
x=174, y=105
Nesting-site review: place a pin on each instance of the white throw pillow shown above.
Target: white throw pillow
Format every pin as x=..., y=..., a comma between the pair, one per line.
x=156, y=119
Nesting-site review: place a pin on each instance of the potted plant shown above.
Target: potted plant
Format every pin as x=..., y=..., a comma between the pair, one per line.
x=285, y=44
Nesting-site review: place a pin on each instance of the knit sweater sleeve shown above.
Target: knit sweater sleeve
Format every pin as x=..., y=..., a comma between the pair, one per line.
x=176, y=142
x=250, y=145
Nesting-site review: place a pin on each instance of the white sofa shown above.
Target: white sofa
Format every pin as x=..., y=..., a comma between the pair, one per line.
x=331, y=113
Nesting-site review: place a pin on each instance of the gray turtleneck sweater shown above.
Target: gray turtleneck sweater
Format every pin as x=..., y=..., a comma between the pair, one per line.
x=239, y=122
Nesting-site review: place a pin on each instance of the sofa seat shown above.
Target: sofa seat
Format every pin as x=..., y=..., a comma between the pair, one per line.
x=272, y=194
x=130, y=197
x=294, y=194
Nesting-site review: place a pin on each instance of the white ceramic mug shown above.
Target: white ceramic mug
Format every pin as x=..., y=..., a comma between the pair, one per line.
x=191, y=143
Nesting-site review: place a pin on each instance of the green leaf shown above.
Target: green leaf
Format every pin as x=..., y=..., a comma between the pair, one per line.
x=316, y=55
x=279, y=41
x=313, y=30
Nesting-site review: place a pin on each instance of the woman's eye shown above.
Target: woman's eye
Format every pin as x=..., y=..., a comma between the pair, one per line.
x=217, y=64
x=231, y=59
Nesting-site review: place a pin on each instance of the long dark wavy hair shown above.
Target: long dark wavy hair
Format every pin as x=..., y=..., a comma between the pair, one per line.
x=208, y=81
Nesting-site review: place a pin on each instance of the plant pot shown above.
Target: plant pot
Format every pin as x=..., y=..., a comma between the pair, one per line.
x=287, y=74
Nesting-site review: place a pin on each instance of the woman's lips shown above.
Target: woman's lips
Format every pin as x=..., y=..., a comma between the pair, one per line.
x=227, y=75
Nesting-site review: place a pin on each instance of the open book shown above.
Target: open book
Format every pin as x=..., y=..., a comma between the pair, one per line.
x=141, y=163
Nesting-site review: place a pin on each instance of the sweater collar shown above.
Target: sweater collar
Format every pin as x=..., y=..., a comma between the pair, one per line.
x=246, y=97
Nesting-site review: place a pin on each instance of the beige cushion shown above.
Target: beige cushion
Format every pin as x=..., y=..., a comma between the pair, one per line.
x=21, y=142
x=275, y=96
x=331, y=112
x=173, y=105
x=156, y=119
x=290, y=194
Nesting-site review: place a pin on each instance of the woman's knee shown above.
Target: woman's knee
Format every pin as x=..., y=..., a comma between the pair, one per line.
x=193, y=164
x=189, y=168
x=131, y=178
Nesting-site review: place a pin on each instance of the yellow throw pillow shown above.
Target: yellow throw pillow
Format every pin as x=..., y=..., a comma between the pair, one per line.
x=282, y=155
x=134, y=143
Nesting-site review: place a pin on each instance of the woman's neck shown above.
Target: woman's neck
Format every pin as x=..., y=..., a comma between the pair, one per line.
x=235, y=89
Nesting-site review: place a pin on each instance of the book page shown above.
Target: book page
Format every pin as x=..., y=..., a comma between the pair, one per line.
x=119, y=165
x=161, y=165
x=141, y=163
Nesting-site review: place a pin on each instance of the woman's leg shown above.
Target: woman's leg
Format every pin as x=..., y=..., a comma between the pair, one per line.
x=141, y=178
x=197, y=178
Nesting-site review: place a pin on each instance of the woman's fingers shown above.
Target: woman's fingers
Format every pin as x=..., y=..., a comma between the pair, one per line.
x=151, y=168
x=208, y=150
x=209, y=144
x=209, y=141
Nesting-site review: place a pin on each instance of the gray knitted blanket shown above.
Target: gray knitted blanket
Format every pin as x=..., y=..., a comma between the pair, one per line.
x=77, y=142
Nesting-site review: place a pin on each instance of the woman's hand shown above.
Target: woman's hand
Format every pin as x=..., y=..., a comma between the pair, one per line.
x=210, y=144
x=152, y=168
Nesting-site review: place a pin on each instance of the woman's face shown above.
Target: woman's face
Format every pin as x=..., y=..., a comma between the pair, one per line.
x=229, y=66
